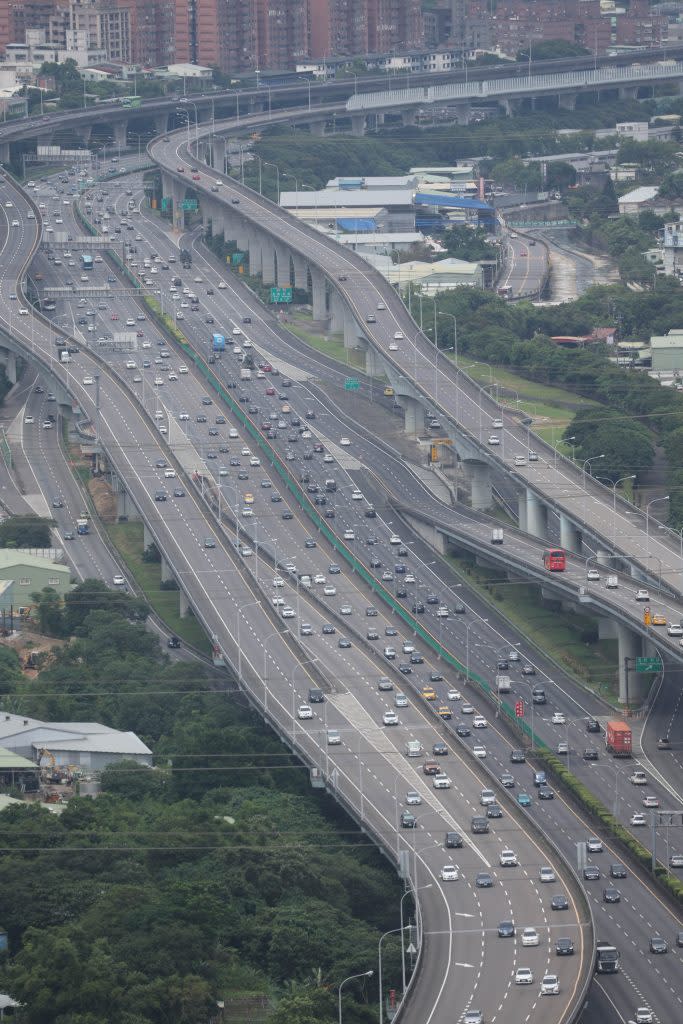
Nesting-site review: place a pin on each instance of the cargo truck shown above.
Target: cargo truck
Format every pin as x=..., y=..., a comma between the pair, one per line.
x=618, y=739
x=503, y=684
x=497, y=536
x=606, y=958
x=245, y=373
x=218, y=341
x=82, y=526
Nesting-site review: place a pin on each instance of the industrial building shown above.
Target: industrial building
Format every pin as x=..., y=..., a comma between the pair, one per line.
x=89, y=745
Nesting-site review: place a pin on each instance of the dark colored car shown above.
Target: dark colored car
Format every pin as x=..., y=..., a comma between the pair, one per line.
x=440, y=749
x=480, y=826
x=494, y=811
x=658, y=945
x=453, y=841
x=564, y=947
x=592, y=725
x=591, y=873
x=173, y=642
x=559, y=902
x=517, y=756
x=484, y=880
x=506, y=930
x=408, y=820
x=590, y=755
x=611, y=895
x=316, y=696
x=617, y=871
x=545, y=793
x=462, y=729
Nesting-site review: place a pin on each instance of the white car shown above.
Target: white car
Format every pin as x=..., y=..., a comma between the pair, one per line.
x=467, y=709
x=530, y=937
x=520, y=460
x=441, y=781
x=413, y=799
x=675, y=629
x=304, y=711
x=479, y=722
x=88, y=380
x=642, y=595
x=497, y=424
x=559, y=718
x=390, y=718
x=345, y=442
x=449, y=873
x=454, y=695
x=319, y=578
x=479, y=751
x=523, y=976
x=494, y=439
x=546, y=874
x=329, y=590
x=394, y=539
x=594, y=845
x=644, y=1015
x=638, y=820
x=23, y=311
x=398, y=335
x=593, y=574
x=393, y=347
x=288, y=613
x=508, y=859
x=119, y=580
x=28, y=419
x=550, y=986
x=349, y=535
x=278, y=602
x=278, y=581
x=356, y=495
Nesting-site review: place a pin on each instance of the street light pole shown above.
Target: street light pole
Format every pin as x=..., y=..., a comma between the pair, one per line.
x=351, y=977
x=392, y=931
x=647, y=519
x=408, y=892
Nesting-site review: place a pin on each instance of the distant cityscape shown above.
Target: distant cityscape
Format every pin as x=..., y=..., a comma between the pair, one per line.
x=242, y=36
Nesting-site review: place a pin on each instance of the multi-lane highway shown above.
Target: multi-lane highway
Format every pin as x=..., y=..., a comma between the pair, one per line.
x=195, y=323
x=368, y=767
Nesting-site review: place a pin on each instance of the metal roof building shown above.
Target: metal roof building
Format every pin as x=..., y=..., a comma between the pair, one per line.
x=89, y=744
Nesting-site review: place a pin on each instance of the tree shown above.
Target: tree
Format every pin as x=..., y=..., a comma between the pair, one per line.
x=93, y=595
x=50, y=611
x=25, y=532
x=553, y=49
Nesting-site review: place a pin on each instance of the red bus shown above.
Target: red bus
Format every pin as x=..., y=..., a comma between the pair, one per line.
x=554, y=560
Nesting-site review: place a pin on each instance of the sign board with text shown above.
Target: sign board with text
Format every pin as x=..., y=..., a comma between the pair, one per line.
x=351, y=384
x=648, y=665
x=281, y=294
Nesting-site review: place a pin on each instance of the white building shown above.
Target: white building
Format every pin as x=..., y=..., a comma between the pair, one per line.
x=637, y=200
x=89, y=744
x=441, y=276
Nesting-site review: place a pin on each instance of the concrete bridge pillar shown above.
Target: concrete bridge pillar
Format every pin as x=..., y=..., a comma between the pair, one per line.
x=83, y=133
x=218, y=153
x=268, y=262
x=412, y=411
x=120, y=133
x=4, y=152
x=166, y=571
x=337, y=312
x=351, y=332
x=217, y=222
x=10, y=361
x=567, y=101
x=300, y=272
x=184, y=604
x=409, y=116
x=628, y=92
x=178, y=194
x=603, y=557
x=570, y=537
x=521, y=512
x=358, y=124
x=254, y=247
x=147, y=537
x=284, y=274
x=374, y=366
x=319, y=295
x=632, y=685
x=480, y=485
x=242, y=236
x=124, y=504
x=160, y=124
x=536, y=516
x=317, y=128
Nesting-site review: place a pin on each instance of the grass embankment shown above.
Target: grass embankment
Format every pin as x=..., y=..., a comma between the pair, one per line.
x=328, y=346
x=567, y=637
x=128, y=538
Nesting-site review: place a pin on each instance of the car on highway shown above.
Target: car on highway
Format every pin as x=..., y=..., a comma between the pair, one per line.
x=528, y=670
x=118, y=580
x=479, y=722
x=643, y=1015
x=611, y=895
x=546, y=874
x=507, y=780
x=304, y=711
x=390, y=718
x=550, y=985
x=564, y=947
x=637, y=820
x=413, y=798
x=449, y=873
x=676, y=860
x=675, y=629
x=508, y=858
x=441, y=781
x=658, y=945
x=591, y=873
x=484, y=880
x=650, y=801
x=408, y=820
x=453, y=841
x=530, y=937
x=479, y=751
x=559, y=902
x=453, y=694
x=559, y=718
x=472, y=1017
x=493, y=440
x=594, y=845
x=524, y=976
x=88, y=380
x=462, y=730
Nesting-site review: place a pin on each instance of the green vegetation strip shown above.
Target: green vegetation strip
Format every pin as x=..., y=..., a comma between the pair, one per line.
x=129, y=542
x=329, y=346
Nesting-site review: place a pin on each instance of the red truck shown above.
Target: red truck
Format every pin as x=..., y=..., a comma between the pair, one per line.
x=618, y=739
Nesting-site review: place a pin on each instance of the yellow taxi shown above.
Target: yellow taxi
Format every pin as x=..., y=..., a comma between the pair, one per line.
x=248, y=499
x=285, y=409
x=444, y=711
x=658, y=620
x=429, y=693
x=388, y=392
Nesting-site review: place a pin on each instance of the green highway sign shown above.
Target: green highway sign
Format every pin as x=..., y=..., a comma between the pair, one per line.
x=188, y=204
x=281, y=294
x=166, y=203
x=351, y=384
x=648, y=665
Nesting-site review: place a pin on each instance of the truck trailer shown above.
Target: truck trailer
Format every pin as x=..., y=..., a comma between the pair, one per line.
x=618, y=739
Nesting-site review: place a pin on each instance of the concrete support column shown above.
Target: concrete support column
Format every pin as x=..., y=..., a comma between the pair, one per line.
x=411, y=409
x=374, y=366
x=317, y=128
x=337, y=312
x=160, y=124
x=319, y=295
x=536, y=523
x=358, y=125
x=300, y=272
x=351, y=334
x=83, y=133
x=217, y=222
x=4, y=152
x=147, y=537
x=480, y=484
x=166, y=571
x=284, y=274
x=184, y=604
x=178, y=212
x=242, y=237
x=570, y=537
x=408, y=116
x=632, y=686
x=567, y=101
x=120, y=133
x=218, y=153
x=268, y=263
x=10, y=359
x=255, y=264
x=521, y=512
x=124, y=504
x=603, y=557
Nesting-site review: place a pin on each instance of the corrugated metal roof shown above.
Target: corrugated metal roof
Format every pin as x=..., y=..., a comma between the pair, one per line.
x=640, y=195
x=441, y=199
x=338, y=197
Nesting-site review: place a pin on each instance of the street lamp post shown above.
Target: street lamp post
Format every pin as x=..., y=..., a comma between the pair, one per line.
x=647, y=519
x=408, y=892
x=268, y=163
x=351, y=977
x=392, y=931
x=287, y=174
x=243, y=608
x=588, y=462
